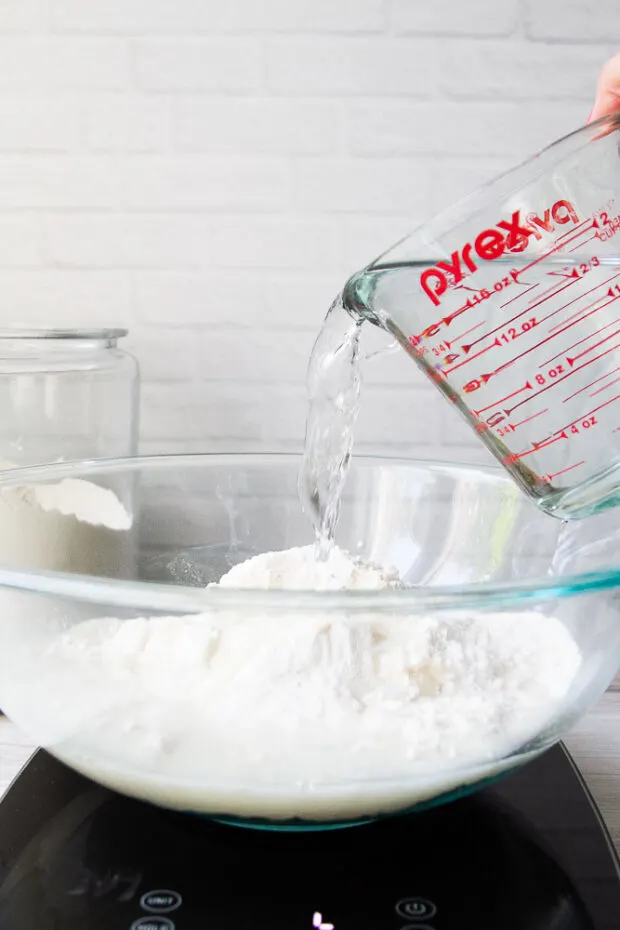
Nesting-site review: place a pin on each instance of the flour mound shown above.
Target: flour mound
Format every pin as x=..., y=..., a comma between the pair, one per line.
x=297, y=569
x=83, y=500
x=70, y=525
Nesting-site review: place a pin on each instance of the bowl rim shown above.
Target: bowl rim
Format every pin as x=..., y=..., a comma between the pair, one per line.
x=146, y=595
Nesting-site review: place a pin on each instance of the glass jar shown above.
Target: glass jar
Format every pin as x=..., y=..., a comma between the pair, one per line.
x=66, y=394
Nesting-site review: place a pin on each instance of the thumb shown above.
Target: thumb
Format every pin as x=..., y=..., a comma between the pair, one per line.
x=607, y=99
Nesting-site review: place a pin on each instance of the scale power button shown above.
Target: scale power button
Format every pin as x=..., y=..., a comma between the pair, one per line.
x=416, y=909
x=152, y=922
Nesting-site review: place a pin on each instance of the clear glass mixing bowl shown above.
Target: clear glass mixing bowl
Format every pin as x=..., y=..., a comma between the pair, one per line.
x=464, y=537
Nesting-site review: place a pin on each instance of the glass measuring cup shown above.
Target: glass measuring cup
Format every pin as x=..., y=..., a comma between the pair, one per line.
x=510, y=302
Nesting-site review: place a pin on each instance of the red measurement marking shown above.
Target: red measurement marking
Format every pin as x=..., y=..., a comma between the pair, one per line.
x=542, y=300
x=496, y=330
x=559, y=332
x=517, y=316
x=466, y=333
x=570, y=318
x=542, y=342
x=574, y=229
x=556, y=248
x=526, y=387
x=576, y=316
x=591, y=412
x=575, y=344
x=527, y=420
x=581, y=244
x=555, y=283
x=564, y=470
x=448, y=371
x=575, y=299
x=571, y=361
x=563, y=308
x=596, y=310
x=448, y=319
x=604, y=388
x=595, y=359
x=465, y=287
x=537, y=446
x=561, y=274
x=522, y=294
x=591, y=384
x=560, y=380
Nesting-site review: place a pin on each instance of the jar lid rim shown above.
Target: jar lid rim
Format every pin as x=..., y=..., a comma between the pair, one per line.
x=33, y=332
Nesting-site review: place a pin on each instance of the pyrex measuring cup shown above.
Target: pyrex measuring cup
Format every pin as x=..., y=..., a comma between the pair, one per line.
x=510, y=302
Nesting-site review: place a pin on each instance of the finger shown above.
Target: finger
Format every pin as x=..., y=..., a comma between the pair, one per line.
x=607, y=98
x=606, y=103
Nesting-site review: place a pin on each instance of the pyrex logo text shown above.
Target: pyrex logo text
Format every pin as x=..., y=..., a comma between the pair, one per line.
x=510, y=236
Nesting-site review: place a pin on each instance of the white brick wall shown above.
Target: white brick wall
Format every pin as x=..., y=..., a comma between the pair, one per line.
x=209, y=173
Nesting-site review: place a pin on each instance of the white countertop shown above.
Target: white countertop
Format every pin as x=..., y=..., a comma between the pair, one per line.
x=594, y=744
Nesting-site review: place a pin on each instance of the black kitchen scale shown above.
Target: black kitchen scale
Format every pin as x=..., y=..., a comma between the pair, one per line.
x=529, y=853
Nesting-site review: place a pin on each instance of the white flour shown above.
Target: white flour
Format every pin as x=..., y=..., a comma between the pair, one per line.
x=306, y=713
x=68, y=526
x=71, y=525
x=298, y=569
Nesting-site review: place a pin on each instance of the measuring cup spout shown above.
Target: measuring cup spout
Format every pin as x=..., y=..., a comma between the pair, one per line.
x=379, y=292
x=357, y=297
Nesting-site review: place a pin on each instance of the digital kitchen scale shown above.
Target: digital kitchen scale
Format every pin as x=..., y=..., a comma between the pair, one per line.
x=530, y=853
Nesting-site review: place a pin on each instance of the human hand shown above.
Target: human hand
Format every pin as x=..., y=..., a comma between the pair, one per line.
x=607, y=98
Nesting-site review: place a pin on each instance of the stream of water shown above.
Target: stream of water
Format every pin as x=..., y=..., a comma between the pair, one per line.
x=334, y=383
